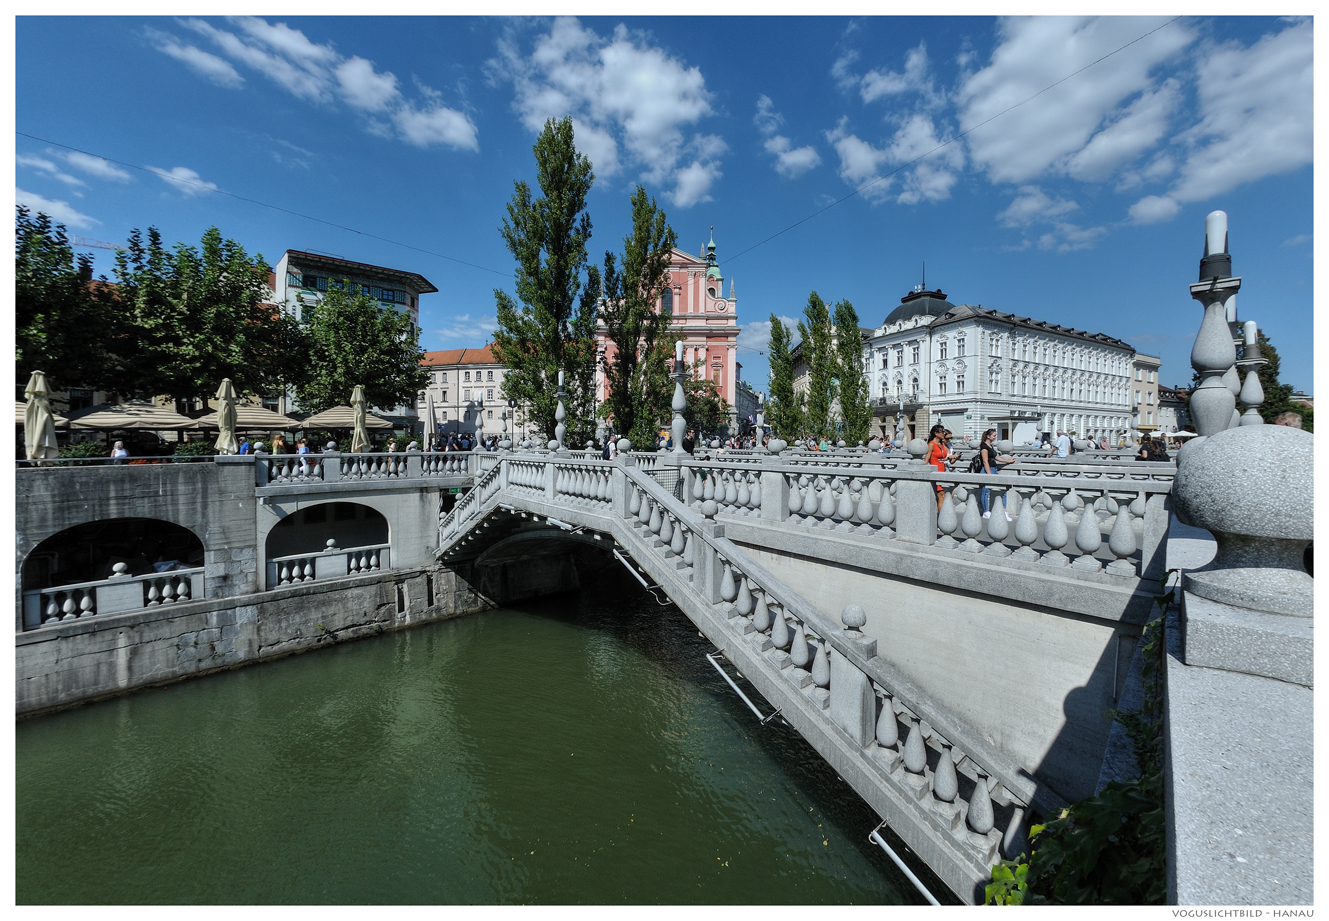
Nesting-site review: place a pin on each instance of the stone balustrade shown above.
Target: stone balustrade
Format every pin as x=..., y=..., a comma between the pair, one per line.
x=330, y=563
x=119, y=593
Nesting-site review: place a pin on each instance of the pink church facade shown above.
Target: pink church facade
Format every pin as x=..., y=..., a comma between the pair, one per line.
x=703, y=315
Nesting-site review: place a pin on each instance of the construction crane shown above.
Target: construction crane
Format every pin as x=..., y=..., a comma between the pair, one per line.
x=93, y=244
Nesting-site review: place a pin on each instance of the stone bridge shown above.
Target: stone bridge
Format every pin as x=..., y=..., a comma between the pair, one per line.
x=954, y=669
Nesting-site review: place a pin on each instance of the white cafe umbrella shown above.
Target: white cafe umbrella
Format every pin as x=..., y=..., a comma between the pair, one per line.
x=38, y=424
x=360, y=437
x=226, y=440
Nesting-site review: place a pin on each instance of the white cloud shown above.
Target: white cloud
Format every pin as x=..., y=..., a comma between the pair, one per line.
x=42, y=165
x=465, y=331
x=876, y=84
x=95, y=166
x=185, y=180
x=1067, y=237
x=365, y=88
x=932, y=177
x=1256, y=114
x=1048, y=133
x=1138, y=128
x=1153, y=209
x=320, y=74
x=623, y=90
x=860, y=162
x=216, y=69
x=59, y=211
x=845, y=78
x=438, y=125
x=756, y=334
x=1297, y=240
x=1033, y=205
x=789, y=160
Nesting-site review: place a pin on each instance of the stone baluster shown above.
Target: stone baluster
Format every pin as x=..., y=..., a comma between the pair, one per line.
x=760, y=611
x=1121, y=541
x=754, y=494
x=799, y=653
x=971, y=523
x=677, y=543
x=863, y=510
x=741, y=494
x=730, y=491
x=845, y=507
x=708, y=489
x=997, y=525
x=779, y=630
x=728, y=590
x=826, y=507
x=979, y=815
x=689, y=551
x=634, y=502
x=655, y=521
x=886, y=511
x=795, y=495
x=1088, y=539
x=666, y=532
x=1055, y=536
x=915, y=752
x=947, y=522
x=821, y=667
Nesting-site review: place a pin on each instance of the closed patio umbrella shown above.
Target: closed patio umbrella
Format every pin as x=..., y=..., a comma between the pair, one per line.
x=360, y=438
x=226, y=440
x=38, y=424
x=430, y=432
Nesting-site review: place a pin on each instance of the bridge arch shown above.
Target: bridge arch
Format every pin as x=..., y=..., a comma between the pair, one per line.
x=308, y=528
x=88, y=551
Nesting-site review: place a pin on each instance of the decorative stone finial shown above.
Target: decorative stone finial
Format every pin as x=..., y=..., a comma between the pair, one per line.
x=853, y=617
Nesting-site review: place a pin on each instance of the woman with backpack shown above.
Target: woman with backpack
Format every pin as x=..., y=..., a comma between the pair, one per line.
x=989, y=463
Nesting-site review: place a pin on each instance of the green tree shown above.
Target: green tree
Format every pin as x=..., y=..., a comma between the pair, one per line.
x=187, y=318
x=634, y=324
x=59, y=326
x=553, y=326
x=855, y=402
x=1277, y=395
x=784, y=412
x=820, y=361
x=707, y=410
x=353, y=340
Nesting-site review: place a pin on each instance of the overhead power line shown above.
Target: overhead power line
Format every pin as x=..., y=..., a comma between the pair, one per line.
x=949, y=141
x=254, y=201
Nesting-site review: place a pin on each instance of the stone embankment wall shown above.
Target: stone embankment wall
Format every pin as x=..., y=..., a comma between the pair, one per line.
x=106, y=655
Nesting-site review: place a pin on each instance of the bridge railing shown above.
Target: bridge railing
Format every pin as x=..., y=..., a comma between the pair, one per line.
x=330, y=563
x=47, y=606
x=1108, y=520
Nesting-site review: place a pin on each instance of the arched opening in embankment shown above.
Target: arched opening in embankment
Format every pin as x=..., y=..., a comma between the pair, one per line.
x=309, y=529
x=89, y=552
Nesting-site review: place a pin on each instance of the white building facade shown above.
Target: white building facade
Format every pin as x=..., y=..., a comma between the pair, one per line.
x=971, y=369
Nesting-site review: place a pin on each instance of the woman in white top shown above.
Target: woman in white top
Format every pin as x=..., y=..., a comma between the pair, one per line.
x=118, y=453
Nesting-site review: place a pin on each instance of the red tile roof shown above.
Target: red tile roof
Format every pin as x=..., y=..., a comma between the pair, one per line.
x=482, y=356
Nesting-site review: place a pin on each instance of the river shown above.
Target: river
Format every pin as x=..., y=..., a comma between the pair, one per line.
x=574, y=751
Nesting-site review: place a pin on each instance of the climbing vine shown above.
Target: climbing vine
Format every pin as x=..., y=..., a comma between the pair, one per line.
x=1109, y=848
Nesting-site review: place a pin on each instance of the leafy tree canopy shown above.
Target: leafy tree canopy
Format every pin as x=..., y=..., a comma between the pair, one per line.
x=550, y=326
x=855, y=400
x=353, y=340
x=783, y=408
x=820, y=360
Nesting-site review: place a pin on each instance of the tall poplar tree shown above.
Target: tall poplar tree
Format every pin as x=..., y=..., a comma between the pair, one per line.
x=784, y=413
x=820, y=360
x=552, y=329
x=635, y=324
x=855, y=401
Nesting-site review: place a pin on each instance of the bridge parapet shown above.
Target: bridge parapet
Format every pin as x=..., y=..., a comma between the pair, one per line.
x=951, y=794
x=1093, y=522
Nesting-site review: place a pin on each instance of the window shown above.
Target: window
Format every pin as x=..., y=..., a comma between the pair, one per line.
x=959, y=382
x=445, y=414
x=667, y=302
x=994, y=380
x=466, y=375
x=1137, y=398
x=293, y=280
x=489, y=414
x=442, y=377
x=1149, y=398
x=994, y=346
x=899, y=355
x=941, y=386
x=914, y=354
x=1024, y=349
x=466, y=395
x=884, y=363
x=1139, y=374
x=1151, y=377
x=1149, y=418
x=445, y=396
x=490, y=375
x=942, y=347
x=82, y=399
x=959, y=347
x=489, y=394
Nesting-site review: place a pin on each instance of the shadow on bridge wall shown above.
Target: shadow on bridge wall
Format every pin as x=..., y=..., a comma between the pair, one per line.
x=89, y=551
x=309, y=529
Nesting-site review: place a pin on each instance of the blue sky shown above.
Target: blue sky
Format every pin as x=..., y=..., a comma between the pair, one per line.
x=1083, y=205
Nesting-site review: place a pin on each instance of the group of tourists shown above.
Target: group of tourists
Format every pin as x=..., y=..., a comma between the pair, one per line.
x=944, y=456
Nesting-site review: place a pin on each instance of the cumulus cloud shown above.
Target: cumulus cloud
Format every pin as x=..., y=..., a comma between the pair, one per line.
x=59, y=211
x=321, y=75
x=632, y=99
x=95, y=166
x=465, y=331
x=790, y=161
x=876, y=84
x=756, y=334
x=1256, y=114
x=1031, y=205
x=860, y=162
x=1052, y=134
x=1067, y=237
x=209, y=66
x=1153, y=209
x=931, y=177
x=42, y=165
x=184, y=180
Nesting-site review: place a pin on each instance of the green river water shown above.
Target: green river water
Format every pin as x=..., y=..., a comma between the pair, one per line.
x=578, y=751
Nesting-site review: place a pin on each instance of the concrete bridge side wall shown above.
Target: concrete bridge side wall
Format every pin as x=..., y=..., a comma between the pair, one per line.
x=107, y=655
x=1036, y=679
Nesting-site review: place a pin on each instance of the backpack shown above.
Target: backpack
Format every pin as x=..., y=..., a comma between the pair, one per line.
x=604, y=452
x=976, y=465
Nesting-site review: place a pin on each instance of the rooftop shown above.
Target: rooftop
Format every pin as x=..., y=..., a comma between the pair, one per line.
x=448, y=357
x=333, y=265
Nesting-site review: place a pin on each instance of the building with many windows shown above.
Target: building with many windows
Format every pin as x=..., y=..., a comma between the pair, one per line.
x=971, y=368
x=466, y=388
x=1145, y=396
x=301, y=279
x=707, y=320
